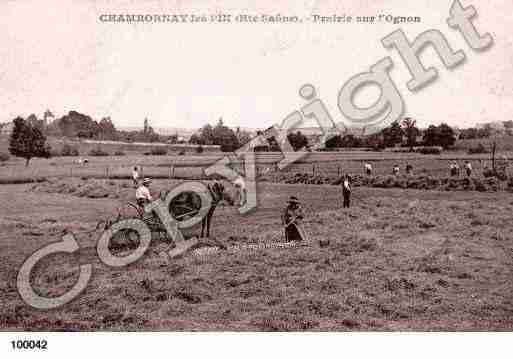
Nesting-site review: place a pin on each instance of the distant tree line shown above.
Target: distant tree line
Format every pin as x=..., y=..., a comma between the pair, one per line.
x=404, y=133
x=77, y=125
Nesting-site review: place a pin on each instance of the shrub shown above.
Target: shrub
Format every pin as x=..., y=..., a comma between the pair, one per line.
x=497, y=173
x=69, y=150
x=432, y=150
x=181, y=153
x=158, y=151
x=199, y=149
x=4, y=157
x=98, y=152
x=478, y=149
x=119, y=153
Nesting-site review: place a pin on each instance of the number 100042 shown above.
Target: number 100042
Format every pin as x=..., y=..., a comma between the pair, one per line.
x=29, y=344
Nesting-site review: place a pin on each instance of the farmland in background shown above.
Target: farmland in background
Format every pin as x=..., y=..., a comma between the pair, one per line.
x=504, y=143
x=183, y=161
x=191, y=166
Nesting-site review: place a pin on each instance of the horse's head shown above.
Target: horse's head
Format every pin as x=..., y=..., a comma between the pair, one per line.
x=219, y=193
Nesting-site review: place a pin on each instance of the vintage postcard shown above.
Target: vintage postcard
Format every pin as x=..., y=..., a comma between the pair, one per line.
x=243, y=166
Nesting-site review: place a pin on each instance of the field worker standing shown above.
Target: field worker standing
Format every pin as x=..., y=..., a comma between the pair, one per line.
x=409, y=169
x=395, y=170
x=142, y=194
x=457, y=168
x=346, y=191
x=240, y=185
x=291, y=220
x=135, y=176
x=452, y=169
x=468, y=168
x=368, y=168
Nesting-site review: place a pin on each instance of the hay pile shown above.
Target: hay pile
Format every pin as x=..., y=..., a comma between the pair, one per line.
x=90, y=188
x=425, y=182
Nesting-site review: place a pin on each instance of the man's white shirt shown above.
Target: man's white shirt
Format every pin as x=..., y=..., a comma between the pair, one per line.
x=240, y=182
x=346, y=185
x=143, y=192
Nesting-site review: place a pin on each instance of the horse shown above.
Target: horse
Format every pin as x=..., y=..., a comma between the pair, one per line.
x=183, y=206
x=218, y=193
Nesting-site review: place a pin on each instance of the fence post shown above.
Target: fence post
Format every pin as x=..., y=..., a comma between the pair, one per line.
x=338, y=171
x=71, y=172
x=107, y=172
x=313, y=169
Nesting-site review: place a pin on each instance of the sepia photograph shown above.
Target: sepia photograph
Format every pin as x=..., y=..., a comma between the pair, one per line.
x=320, y=169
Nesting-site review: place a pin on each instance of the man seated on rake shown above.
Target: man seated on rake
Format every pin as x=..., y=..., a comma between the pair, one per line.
x=142, y=194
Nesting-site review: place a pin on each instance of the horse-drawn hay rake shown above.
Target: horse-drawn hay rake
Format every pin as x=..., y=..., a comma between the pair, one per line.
x=183, y=207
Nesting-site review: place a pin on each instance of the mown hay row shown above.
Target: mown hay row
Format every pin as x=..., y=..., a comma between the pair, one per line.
x=423, y=182
x=85, y=188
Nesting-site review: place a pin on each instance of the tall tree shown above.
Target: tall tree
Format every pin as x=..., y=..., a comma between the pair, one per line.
x=508, y=127
x=225, y=137
x=220, y=135
x=107, y=130
x=206, y=135
x=411, y=131
x=447, y=136
x=76, y=124
x=442, y=135
x=468, y=133
x=393, y=134
x=297, y=140
x=27, y=141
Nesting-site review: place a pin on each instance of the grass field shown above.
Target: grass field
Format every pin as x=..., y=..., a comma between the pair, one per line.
x=191, y=164
x=397, y=260
x=504, y=143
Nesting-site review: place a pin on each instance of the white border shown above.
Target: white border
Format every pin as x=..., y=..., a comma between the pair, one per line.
x=261, y=345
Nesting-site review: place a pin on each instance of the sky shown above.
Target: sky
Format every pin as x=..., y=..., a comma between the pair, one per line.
x=62, y=57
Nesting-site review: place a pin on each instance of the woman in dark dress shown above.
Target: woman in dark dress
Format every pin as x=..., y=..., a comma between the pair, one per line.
x=291, y=220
